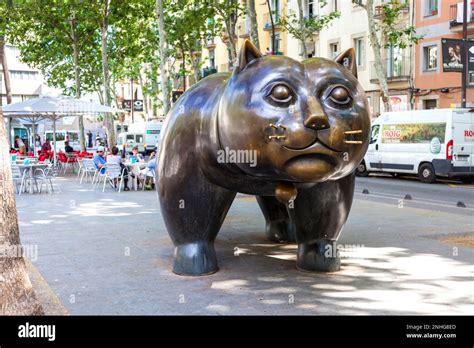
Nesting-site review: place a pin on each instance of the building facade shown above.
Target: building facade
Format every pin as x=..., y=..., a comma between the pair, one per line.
x=438, y=20
x=349, y=30
x=25, y=81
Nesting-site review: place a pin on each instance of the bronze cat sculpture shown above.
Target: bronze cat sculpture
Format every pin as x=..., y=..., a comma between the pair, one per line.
x=289, y=132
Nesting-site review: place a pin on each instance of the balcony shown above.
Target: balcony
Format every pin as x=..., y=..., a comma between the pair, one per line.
x=210, y=43
x=267, y=22
x=395, y=70
x=455, y=23
x=243, y=29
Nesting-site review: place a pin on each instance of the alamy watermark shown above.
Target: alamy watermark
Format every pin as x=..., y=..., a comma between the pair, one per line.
x=237, y=156
x=16, y=251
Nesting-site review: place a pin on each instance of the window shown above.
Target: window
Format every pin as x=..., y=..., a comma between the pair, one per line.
x=430, y=58
x=311, y=8
x=212, y=58
x=360, y=51
x=275, y=6
x=23, y=75
x=374, y=134
x=139, y=138
x=471, y=78
x=333, y=49
x=430, y=8
x=429, y=104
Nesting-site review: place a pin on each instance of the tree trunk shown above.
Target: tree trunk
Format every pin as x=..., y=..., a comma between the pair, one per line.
x=253, y=22
x=77, y=75
x=377, y=49
x=230, y=29
x=302, y=29
x=108, y=119
x=6, y=72
x=17, y=296
x=195, y=66
x=163, y=57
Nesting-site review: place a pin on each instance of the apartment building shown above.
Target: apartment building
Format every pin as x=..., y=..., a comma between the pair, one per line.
x=349, y=30
x=25, y=81
x=435, y=87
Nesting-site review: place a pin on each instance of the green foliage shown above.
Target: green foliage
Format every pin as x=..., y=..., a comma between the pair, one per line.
x=389, y=25
x=41, y=29
x=305, y=28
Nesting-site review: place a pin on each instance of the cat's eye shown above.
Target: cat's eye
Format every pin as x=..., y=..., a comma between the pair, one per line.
x=340, y=95
x=281, y=94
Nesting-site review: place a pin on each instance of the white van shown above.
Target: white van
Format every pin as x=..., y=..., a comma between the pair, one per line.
x=61, y=136
x=430, y=143
x=143, y=135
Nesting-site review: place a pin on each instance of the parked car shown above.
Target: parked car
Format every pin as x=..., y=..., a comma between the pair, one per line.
x=429, y=143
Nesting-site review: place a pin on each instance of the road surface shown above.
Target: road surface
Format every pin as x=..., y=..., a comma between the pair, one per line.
x=443, y=195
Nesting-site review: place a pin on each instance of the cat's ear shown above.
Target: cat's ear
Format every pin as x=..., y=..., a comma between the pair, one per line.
x=248, y=53
x=348, y=60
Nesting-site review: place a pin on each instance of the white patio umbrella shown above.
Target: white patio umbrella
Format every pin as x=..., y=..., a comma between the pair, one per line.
x=53, y=108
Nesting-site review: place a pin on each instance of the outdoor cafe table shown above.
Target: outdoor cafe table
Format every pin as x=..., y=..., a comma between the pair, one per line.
x=135, y=170
x=32, y=167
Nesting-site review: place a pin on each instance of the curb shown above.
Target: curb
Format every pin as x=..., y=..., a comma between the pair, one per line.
x=45, y=295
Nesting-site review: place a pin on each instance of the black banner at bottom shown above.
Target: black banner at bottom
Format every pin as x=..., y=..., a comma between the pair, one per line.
x=453, y=331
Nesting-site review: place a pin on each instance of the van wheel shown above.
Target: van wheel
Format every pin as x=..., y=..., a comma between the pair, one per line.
x=361, y=169
x=426, y=173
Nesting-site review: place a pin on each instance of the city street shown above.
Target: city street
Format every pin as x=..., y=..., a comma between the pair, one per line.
x=441, y=196
x=109, y=253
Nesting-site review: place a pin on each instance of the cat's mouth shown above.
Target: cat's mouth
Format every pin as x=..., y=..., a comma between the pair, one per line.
x=317, y=144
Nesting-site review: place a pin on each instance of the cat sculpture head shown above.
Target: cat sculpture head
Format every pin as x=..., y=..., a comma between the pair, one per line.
x=306, y=121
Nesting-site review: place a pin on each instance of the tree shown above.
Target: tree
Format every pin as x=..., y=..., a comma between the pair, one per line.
x=4, y=11
x=104, y=30
x=58, y=38
x=227, y=13
x=17, y=296
x=163, y=52
x=304, y=28
x=253, y=22
x=388, y=30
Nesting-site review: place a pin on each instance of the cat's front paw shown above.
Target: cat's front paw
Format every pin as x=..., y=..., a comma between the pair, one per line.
x=321, y=256
x=195, y=259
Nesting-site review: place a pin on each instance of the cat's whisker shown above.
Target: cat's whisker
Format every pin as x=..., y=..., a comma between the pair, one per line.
x=353, y=142
x=359, y=131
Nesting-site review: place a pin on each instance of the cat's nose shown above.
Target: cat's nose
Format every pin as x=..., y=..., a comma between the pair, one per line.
x=315, y=118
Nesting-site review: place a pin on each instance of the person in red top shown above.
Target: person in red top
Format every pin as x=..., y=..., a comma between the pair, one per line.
x=46, y=146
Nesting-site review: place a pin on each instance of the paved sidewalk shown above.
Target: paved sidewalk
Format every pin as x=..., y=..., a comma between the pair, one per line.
x=109, y=253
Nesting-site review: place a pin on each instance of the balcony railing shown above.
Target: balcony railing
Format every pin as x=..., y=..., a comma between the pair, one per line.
x=395, y=69
x=267, y=22
x=453, y=16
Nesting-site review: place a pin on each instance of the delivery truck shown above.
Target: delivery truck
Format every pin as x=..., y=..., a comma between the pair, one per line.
x=428, y=143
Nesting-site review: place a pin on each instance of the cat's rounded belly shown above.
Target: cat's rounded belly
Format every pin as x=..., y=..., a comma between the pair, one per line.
x=310, y=167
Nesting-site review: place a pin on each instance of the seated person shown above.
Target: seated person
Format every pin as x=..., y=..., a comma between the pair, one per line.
x=137, y=154
x=149, y=171
x=46, y=147
x=114, y=157
x=99, y=160
x=68, y=148
x=20, y=145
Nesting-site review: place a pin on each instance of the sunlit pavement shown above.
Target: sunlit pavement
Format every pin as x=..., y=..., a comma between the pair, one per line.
x=109, y=253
